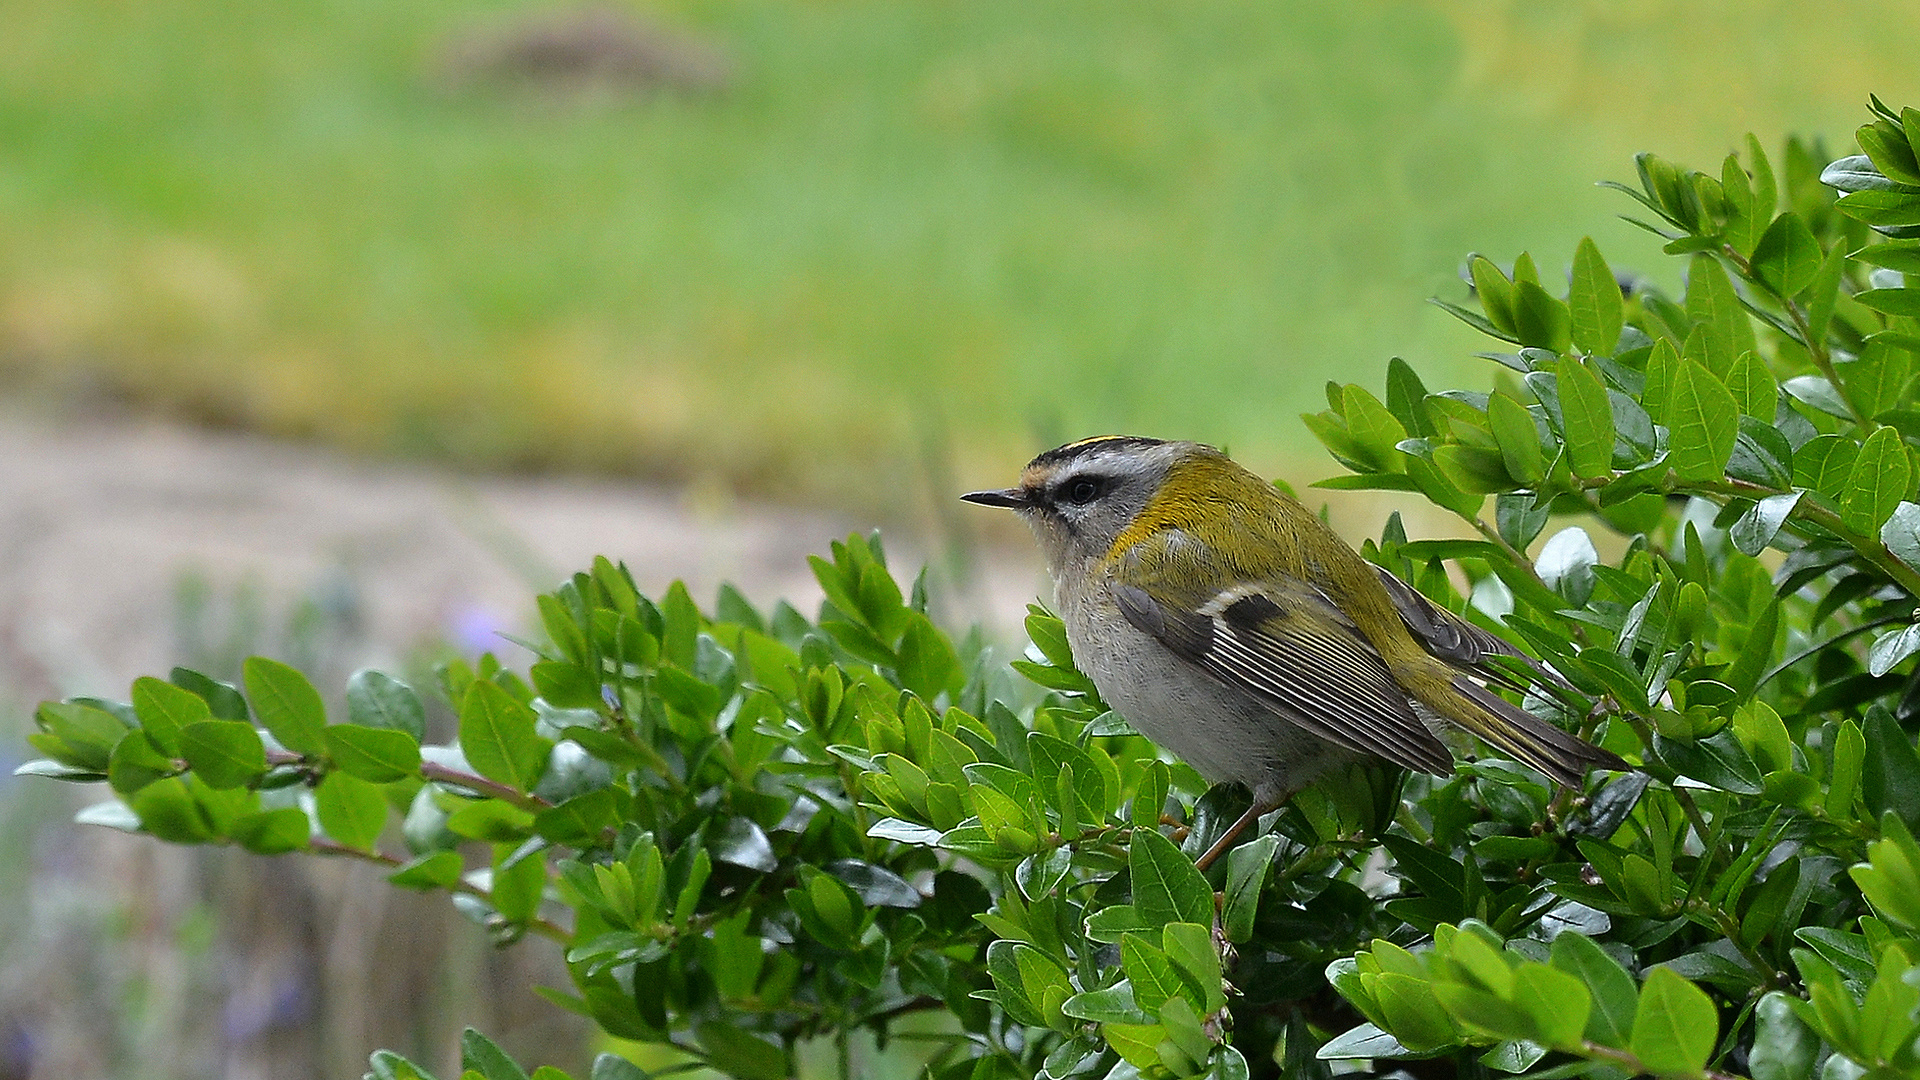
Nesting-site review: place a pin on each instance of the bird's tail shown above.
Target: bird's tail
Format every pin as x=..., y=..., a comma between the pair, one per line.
x=1563, y=757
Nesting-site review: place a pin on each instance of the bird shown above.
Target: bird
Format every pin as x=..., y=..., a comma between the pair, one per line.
x=1234, y=628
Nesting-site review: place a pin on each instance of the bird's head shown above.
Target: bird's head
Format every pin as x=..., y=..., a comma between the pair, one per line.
x=1081, y=497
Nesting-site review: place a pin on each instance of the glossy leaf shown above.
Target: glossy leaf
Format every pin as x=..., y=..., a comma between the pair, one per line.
x=1675, y=1025
x=1587, y=419
x=498, y=737
x=1787, y=257
x=224, y=753
x=378, y=700
x=165, y=710
x=287, y=704
x=1247, y=868
x=1594, y=301
x=1704, y=420
x=351, y=810
x=1878, y=483
x=1166, y=887
x=377, y=754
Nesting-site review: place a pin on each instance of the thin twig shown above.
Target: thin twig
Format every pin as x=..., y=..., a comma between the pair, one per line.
x=323, y=846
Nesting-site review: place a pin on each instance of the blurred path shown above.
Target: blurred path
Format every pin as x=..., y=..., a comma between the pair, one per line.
x=101, y=522
x=112, y=532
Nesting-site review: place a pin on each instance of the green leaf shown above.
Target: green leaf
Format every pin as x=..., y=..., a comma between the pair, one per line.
x=1050, y=755
x=1594, y=300
x=136, y=762
x=1877, y=381
x=1713, y=303
x=1373, y=426
x=1816, y=391
x=223, y=753
x=1881, y=208
x=1663, y=364
x=1611, y=989
x=1703, y=420
x=1890, y=781
x=517, y=884
x=1717, y=760
x=351, y=810
x=1166, y=887
x=1109, y=924
x=1783, y=1047
x=273, y=832
x=1495, y=293
x=378, y=755
x=88, y=734
x=1891, y=301
x=487, y=819
x=928, y=665
x=1247, y=868
x=1675, y=1025
x=1587, y=417
x=1824, y=293
x=378, y=700
x=479, y=1054
x=287, y=704
x=1878, y=482
x=1753, y=387
x=1757, y=527
x=1892, y=647
x=1150, y=796
x=1519, y=439
x=1190, y=946
x=498, y=737
x=1849, y=755
x=1901, y=255
x=1886, y=145
x=1472, y=468
x=1519, y=520
x=1765, y=191
x=1558, y=1001
x=222, y=698
x=1825, y=464
x=579, y=821
x=1787, y=257
x=165, y=709
x=167, y=810
x=388, y=1065
x=1113, y=1005
x=1407, y=399
x=434, y=870
x=1539, y=320
x=1153, y=976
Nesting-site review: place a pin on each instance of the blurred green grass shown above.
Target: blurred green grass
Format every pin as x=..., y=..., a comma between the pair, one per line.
x=980, y=226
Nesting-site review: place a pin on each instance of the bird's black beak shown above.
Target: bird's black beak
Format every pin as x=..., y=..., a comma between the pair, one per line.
x=1010, y=498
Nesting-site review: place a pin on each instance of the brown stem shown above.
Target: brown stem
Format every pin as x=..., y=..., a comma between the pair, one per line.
x=1633, y=1065
x=531, y=803
x=1816, y=350
x=1812, y=512
x=323, y=846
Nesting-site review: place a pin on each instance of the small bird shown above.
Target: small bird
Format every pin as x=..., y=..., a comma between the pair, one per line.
x=1233, y=627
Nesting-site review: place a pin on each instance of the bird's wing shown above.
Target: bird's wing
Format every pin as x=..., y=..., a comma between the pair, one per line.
x=1284, y=641
x=1453, y=639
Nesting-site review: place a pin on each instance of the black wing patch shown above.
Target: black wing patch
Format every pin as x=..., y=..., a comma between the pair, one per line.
x=1453, y=639
x=1292, y=647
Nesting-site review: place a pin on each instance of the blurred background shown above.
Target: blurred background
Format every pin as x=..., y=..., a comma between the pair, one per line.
x=332, y=329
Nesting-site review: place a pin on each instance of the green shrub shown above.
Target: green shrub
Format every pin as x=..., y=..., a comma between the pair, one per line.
x=750, y=830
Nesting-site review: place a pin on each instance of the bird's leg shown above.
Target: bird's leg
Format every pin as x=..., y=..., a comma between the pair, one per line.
x=1259, y=807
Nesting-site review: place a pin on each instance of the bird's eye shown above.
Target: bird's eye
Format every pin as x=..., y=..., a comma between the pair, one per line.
x=1082, y=491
